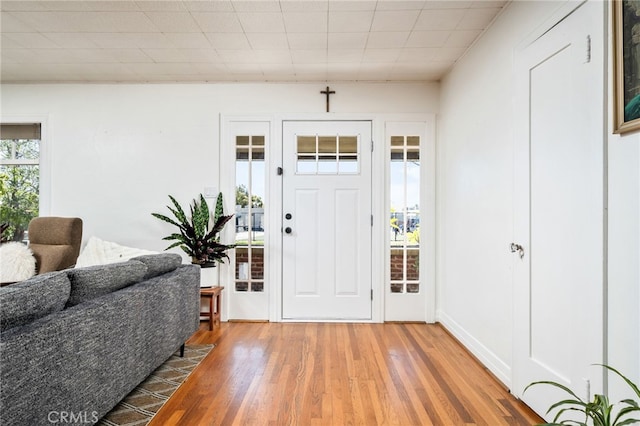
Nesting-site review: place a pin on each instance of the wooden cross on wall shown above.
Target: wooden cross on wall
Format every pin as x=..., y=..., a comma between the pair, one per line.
x=328, y=93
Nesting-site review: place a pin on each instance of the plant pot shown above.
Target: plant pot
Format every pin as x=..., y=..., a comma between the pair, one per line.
x=208, y=276
x=203, y=263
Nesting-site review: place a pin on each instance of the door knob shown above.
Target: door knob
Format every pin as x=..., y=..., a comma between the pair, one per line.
x=288, y=216
x=287, y=230
x=517, y=248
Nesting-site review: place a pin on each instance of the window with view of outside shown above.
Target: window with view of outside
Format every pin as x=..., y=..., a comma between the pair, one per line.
x=19, y=178
x=404, y=221
x=249, y=217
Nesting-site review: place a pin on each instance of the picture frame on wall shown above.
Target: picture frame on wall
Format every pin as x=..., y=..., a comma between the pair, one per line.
x=626, y=48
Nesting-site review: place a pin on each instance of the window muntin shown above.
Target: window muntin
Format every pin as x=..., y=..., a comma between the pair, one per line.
x=19, y=178
x=327, y=154
x=250, y=204
x=404, y=236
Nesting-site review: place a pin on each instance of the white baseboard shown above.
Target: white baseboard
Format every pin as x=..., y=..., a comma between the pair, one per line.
x=494, y=364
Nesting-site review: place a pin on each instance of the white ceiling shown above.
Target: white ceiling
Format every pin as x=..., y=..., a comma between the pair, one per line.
x=237, y=40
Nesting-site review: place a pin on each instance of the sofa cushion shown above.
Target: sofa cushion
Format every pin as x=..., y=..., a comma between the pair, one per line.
x=158, y=264
x=35, y=298
x=95, y=281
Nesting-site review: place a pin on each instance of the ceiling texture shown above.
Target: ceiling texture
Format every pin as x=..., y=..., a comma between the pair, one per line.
x=237, y=41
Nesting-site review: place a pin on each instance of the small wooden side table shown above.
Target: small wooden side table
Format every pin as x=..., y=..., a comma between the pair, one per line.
x=215, y=304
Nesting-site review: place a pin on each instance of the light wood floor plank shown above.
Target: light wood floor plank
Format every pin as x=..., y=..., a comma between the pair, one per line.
x=339, y=374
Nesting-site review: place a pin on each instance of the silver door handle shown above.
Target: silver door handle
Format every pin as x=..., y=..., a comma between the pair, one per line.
x=517, y=248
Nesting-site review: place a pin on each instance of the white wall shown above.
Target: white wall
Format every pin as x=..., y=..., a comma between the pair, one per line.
x=475, y=189
x=624, y=261
x=475, y=192
x=623, y=253
x=118, y=150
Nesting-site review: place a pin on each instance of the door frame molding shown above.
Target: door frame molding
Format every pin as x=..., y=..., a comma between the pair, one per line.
x=227, y=182
x=377, y=305
x=273, y=277
x=364, y=178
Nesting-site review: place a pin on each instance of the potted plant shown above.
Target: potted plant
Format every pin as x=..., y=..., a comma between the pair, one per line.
x=194, y=235
x=599, y=412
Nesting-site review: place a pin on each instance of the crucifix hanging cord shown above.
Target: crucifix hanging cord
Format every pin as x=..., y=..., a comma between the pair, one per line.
x=328, y=93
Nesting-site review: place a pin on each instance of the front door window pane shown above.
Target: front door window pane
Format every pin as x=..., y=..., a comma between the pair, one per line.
x=328, y=155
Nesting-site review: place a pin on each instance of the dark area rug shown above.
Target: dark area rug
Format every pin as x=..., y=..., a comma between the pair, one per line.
x=144, y=401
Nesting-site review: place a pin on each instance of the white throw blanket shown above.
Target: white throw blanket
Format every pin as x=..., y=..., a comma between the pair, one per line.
x=16, y=262
x=99, y=252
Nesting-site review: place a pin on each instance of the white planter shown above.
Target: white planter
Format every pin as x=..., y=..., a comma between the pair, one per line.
x=209, y=277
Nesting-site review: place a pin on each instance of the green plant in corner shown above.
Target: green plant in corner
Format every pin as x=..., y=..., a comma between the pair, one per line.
x=194, y=236
x=599, y=412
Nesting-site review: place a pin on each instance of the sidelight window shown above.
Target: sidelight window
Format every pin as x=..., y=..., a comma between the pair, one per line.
x=404, y=219
x=249, y=215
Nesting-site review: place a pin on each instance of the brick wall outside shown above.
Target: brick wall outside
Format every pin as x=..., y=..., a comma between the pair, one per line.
x=396, y=260
x=397, y=265
x=257, y=261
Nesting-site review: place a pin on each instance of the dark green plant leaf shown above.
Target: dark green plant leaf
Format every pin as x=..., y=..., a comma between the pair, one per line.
x=174, y=237
x=632, y=385
x=189, y=231
x=630, y=402
x=219, y=210
x=217, y=227
x=176, y=244
x=194, y=237
x=569, y=402
x=597, y=412
x=186, y=250
x=570, y=405
x=165, y=219
x=201, y=217
x=558, y=385
x=623, y=412
x=626, y=410
x=628, y=422
x=564, y=410
x=178, y=212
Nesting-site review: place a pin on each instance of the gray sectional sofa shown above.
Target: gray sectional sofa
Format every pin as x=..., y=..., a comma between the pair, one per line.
x=74, y=343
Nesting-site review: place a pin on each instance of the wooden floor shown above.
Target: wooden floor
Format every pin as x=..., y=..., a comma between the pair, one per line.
x=339, y=374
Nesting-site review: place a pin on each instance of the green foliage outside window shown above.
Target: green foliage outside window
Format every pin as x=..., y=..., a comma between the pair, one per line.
x=19, y=185
x=242, y=198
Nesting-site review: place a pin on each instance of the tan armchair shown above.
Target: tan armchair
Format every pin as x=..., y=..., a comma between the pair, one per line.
x=55, y=242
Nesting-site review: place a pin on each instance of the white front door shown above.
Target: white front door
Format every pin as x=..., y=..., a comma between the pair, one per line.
x=558, y=268
x=326, y=220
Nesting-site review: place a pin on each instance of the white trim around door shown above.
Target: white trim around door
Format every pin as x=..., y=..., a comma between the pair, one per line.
x=272, y=309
